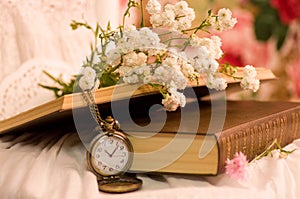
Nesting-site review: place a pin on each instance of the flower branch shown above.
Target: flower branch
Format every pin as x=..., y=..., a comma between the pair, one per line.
x=237, y=166
x=130, y=55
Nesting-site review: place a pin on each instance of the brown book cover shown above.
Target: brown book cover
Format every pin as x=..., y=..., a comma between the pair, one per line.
x=249, y=127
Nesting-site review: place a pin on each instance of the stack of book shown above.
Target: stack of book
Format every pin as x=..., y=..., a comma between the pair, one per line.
x=196, y=139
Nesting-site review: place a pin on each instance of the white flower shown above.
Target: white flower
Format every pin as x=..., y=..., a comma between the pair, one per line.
x=213, y=45
x=89, y=73
x=148, y=38
x=132, y=59
x=180, y=98
x=171, y=61
x=203, y=63
x=217, y=83
x=123, y=70
x=86, y=83
x=124, y=46
x=113, y=56
x=224, y=20
x=156, y=20
x=162, y=73
x=153, y=7
x=168, y=18
x=87, y=80
x=181, y=8
x=129, y=28
x=167, y=75
x=176, y=17
x=149, y=79
x=173, y=100
x=131, y=79
x=141, y=59
x=179, y=79
x=170, y=103
x=187, y=69
x=195, y=40
x=142, y=70
x=249, y=80
x=250, y=83
x=249, y=71
x=156, y=51
x=224, y=14
x=216, y=51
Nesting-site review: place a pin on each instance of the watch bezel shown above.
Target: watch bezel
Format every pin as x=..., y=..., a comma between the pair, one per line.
x=122, y=137
x=122, y=184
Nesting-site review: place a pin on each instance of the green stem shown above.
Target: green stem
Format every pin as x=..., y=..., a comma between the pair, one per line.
x=232, y=76
x=168, y=40
x=159, y=88
x=142, y=13
x=196, y=29
x=265, y=152
x=166, y=33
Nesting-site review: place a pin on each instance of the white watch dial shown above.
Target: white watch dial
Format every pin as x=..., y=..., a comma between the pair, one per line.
x=110, y=155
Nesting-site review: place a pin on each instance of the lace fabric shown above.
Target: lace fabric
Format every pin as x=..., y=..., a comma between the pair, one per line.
x=40, y=28
x=35, y=35
x=21, y=91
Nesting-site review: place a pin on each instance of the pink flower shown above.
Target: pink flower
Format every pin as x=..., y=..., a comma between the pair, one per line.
x=289, y=10
x=294, y=74
x=240, y=44
x=236, y=167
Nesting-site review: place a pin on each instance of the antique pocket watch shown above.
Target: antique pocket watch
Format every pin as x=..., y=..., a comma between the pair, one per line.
x=110, y=155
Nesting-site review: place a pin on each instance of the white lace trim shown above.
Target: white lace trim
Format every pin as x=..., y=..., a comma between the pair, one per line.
x=20, y=91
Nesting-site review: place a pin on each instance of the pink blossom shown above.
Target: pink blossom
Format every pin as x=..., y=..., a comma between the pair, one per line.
x=236, y=167
x=240, y=44
x=289, y=10
x=294, y=73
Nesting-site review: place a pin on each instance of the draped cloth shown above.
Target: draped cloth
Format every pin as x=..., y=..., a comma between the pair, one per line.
x=51, y=164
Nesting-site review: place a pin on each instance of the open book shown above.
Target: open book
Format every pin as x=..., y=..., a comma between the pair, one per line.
x=57, y=108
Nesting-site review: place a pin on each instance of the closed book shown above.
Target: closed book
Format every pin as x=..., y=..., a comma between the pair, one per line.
x=249, y=127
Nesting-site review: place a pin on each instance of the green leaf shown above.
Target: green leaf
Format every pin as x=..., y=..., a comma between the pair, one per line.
x=260, y=2
x=263, y=25
x=108, y=79
x=280, y=32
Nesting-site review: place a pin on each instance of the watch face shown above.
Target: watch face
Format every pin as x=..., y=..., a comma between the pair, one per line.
x=111, y=154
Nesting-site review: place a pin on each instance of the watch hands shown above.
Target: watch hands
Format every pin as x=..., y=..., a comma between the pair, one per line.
x=111, y=154
x=114, y=150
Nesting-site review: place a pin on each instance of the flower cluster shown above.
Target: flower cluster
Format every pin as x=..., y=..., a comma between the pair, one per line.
x=168, y=55
x=249, y=80
x=289, y=10
x=175, y=17
x=236, y=167
x=224, y=21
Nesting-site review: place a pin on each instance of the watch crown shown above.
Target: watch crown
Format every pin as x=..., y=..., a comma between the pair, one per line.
x=109, y=119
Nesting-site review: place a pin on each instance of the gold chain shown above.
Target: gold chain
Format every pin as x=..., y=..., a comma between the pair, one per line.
x=109, y=123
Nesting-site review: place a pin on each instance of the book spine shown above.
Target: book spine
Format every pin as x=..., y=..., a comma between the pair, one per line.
x=254, y=137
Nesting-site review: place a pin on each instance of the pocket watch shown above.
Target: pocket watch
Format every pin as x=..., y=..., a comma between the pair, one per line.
x=110, y=155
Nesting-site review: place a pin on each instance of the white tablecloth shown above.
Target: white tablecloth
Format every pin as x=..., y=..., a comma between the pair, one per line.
x=52, y=165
